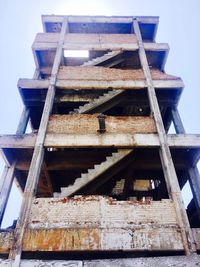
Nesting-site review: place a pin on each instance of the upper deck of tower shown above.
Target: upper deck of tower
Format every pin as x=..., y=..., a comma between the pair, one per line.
x=103, y=24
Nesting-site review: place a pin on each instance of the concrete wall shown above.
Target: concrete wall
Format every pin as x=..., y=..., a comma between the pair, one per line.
x=92, y=39
x=88, y=124
x=100, y=223
x=108, y=74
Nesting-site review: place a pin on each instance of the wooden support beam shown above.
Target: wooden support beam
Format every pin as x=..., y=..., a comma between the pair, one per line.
x=178, y=125
x=38, y=155
x=165, y=155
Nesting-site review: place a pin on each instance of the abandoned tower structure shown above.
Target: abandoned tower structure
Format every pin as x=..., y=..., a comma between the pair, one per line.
x=100, y=175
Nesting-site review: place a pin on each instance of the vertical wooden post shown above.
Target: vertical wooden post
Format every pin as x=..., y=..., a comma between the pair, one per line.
x=9, y=172
x=178, y=125
x=38, y=154
x=165, y=155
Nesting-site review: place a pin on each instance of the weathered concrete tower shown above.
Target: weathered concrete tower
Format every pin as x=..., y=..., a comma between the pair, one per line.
x=100, y=175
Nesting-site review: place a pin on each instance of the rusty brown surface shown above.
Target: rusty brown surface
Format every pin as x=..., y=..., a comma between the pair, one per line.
x=99, y=223
x=6, y=239
x=109, y=74
x=81, y=124
x=159, y=238
x=61, y=239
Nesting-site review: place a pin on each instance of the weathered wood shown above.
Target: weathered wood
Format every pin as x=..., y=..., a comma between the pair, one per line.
x=165, y=155
x=38, y=155
x=178, y=125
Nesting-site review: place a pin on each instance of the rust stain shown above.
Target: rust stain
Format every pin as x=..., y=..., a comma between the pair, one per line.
x=6, y=239
x=61, y=239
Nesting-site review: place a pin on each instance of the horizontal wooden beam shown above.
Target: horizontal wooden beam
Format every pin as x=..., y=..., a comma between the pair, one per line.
x=100, y=140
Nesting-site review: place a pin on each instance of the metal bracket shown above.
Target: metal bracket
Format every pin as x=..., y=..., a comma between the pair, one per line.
x=102, y=123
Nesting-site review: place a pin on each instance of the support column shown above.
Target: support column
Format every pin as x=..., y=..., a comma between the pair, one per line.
x=194, y=180
x=38, y=154
x=9, y=171
x=165, y=155
x=178, y=125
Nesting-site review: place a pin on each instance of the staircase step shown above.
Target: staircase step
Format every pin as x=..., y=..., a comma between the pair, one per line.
x=92, y=174
x=99, y=60
x=98, y=101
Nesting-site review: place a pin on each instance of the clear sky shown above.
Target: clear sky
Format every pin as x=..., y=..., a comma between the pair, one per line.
x=20, y=20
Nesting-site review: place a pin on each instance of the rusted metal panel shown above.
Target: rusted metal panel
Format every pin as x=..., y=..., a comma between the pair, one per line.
x=88, y=124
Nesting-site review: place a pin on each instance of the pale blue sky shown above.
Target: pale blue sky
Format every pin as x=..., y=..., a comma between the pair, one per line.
x=21, y=20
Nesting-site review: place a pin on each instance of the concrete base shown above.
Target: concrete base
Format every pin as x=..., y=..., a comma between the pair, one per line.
x=171, y=261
